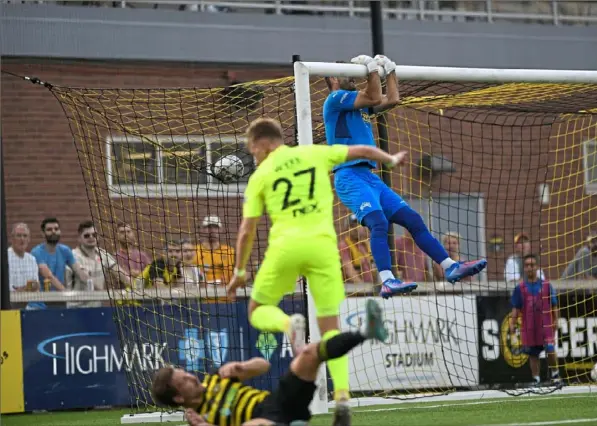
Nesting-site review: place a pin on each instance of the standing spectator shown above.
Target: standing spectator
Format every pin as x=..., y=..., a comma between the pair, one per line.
x=22, y=267
x=451, y=242
x=411, y=262
x=94, y=261
x=53, y=257
x=535, y=300
x=165, y=271
x=216, y=258
x=355, y=254
x=191, y=273
x=513, y=270
x=131, y=260
x=584, y=264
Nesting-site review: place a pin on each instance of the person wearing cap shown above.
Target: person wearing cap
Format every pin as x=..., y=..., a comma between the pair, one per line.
x=215, y=258
x=514, y=269
x=355, y=254
x=584, y=264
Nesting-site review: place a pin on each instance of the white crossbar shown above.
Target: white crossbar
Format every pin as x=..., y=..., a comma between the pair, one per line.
x=486, y=75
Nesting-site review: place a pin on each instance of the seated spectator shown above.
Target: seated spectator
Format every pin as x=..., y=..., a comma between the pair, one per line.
x=584, y=264
x=166, y=271
x=411, y=262
x=131, y=260
x=53, y=258
x=22, y=267
x=513, y=270
x=215, y=258
x=191, y=273
x=94, y=261
x=355, y=254
x=451, y=242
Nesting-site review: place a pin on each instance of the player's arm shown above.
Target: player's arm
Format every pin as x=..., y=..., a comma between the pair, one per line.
x=372, y=95
x=555, y=310
x=367, y=152
x=245, y=370
x=516, y=307
x=244, y=242
x=392, y=96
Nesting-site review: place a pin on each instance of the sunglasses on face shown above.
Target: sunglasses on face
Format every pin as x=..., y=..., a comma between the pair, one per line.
x=530, y=265
x=90, y=235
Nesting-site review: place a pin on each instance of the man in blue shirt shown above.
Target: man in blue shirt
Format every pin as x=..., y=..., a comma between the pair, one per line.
x=346, y=119
x=53, y=257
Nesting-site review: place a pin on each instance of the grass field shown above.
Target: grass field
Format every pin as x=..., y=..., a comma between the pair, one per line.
x=578, y=409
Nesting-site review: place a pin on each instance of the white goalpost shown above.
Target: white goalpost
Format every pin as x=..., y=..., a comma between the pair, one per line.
x=303, y=71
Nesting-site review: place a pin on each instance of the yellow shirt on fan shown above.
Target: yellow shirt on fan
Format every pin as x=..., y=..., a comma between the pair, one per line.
x=217, y=264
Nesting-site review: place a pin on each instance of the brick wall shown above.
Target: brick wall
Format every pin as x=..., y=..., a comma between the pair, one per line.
x=504, y=160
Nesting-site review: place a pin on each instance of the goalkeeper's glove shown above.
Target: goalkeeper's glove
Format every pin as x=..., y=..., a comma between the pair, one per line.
x=372, y=65
x=385, y=62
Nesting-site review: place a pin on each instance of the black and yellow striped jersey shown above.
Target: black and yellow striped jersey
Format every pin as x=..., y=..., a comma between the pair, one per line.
x=228, y=402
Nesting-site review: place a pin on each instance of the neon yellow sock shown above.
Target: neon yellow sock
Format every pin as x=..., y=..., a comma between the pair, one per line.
x=338, y=371
x=270, y=318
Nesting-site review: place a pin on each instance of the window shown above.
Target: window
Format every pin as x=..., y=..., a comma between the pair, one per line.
x=590, y=165
x=164, y=166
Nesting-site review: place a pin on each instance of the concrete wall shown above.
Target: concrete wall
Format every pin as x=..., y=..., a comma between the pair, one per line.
x=107, y=33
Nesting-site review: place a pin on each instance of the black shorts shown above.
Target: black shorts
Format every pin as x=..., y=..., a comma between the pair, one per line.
x=289, y=402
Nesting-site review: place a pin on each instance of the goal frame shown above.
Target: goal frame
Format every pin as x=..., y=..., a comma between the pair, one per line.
x=303, y=71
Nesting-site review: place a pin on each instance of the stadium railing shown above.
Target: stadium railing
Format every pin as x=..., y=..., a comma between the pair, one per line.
x=180, y=294
x=555, y=12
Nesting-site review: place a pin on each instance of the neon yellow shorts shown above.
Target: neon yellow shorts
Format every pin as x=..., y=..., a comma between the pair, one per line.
x=317, y=259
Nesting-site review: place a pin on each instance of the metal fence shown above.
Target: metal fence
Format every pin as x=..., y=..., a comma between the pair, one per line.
x=552, y=12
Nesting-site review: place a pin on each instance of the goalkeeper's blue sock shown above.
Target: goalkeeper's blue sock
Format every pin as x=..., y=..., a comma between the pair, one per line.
x=413, y=222
x=378, y=227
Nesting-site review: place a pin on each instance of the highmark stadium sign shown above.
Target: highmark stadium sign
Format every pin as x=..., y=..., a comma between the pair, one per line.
x=432, y=342
x=77, y=353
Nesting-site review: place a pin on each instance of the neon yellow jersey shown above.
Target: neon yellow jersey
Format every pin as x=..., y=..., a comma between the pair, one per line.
x=293, y=185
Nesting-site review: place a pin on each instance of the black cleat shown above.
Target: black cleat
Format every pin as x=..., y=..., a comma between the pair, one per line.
x=342, y=415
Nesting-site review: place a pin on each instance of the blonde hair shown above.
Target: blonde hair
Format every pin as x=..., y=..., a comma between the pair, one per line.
x=264, y=128
x=451, y=234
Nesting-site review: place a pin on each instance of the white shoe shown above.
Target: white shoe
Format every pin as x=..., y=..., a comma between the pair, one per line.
x=297, y=333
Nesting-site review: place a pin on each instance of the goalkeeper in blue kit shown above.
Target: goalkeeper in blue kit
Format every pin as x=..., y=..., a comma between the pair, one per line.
x=345, y=115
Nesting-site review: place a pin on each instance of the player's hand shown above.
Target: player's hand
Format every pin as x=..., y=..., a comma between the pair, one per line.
x=236, y=282
x=232, y=369
x=194, y=418
x=368, y=61
x=399, y=159
x=385, y=62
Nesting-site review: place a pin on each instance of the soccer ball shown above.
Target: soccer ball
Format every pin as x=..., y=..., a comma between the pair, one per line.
x=228, y=169
x=594, y=373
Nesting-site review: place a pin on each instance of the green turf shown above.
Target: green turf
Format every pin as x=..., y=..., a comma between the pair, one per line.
x=476, y=412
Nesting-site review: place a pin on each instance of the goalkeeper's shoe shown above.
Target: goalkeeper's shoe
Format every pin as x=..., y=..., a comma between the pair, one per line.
x=374, y=328
x=393, y=286
x=297, y=333
x=341, y=414
x=461, y=270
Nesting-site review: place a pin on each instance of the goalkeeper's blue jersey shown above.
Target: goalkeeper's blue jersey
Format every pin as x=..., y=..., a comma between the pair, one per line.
x=346, y=126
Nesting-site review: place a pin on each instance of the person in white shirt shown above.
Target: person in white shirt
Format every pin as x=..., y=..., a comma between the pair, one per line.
x=191, y=273
x=94, y=261
x=22, y=266
x=513, y=269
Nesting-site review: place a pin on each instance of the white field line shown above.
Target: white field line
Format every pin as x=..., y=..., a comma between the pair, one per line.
x=551, y=422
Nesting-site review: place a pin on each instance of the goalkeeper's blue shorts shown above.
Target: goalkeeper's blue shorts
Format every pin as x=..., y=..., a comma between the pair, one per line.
x=362, y=191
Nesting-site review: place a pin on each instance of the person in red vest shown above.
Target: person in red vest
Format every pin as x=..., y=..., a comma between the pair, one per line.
x=534, y=299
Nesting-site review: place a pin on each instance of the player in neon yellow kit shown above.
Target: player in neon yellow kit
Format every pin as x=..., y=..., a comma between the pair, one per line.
x=293, y=185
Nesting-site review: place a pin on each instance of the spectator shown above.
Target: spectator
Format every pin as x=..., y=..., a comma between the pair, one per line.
x=191, y=273
x=166, y=271
x=411, y=262
x=22, y=267
x=53, y=258
x=513, y=270
x=216, y=259
x=451, y=242
x=355, y=254
x=131, y=260
x=94, y=261
x=535, y=300
x=584, y=264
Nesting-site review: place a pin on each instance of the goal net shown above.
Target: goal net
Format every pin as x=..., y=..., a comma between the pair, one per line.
x=494, y=166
